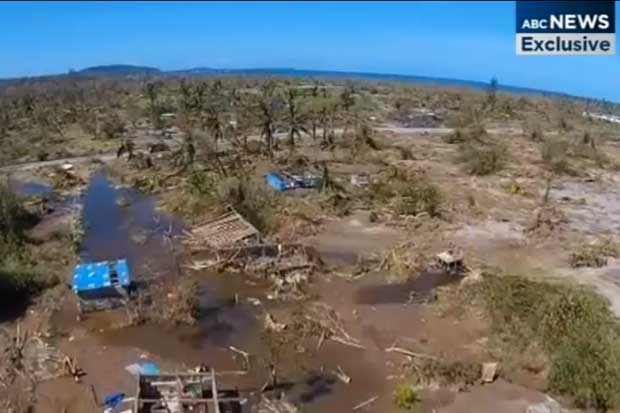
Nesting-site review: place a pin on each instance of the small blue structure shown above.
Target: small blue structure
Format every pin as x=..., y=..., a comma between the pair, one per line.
x=279, y=182
x=282, y=182
x=101, y=284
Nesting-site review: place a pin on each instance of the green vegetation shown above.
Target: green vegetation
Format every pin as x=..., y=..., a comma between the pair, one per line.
x=16, y=277
x=482, y=159
x=209, y=190
x=405, y=396
x=409, y=194
x=574, y=328
x=554, y=155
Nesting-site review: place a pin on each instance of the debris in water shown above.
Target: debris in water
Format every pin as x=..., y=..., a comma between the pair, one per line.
x=142, y=367
x=342, y=376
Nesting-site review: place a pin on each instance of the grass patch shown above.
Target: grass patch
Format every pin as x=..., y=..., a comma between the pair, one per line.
x=17, y=280
x=409, y=194
x=574, y=328
x=594, y=254
x=482, y=160
x=405, y=396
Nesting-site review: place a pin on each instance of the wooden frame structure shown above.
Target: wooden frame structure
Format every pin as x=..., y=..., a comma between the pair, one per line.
x=224, y=231
x=185, y=392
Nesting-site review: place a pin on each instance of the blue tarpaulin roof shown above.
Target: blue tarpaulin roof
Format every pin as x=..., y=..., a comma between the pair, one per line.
x=282, y=182
x=98, y=275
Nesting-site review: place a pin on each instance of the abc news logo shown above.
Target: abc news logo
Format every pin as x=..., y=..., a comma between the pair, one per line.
x=565, y=28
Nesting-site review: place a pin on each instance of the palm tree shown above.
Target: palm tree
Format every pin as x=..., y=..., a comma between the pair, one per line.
x=186, y=96
x=267, y=114
x=152, y=91
x=294, y=119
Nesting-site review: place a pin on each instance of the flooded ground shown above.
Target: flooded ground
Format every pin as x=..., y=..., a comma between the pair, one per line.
x=420, y=288
x=232, y=308
x=34, y=189
x=122, y=223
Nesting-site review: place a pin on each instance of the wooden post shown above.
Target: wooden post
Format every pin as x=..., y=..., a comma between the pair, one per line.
x=214, y=391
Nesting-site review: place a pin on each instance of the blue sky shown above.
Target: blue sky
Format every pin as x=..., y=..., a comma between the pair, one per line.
x=466, y=40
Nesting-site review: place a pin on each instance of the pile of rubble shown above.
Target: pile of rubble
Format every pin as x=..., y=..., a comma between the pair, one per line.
x=232, y=244
x=28, y=357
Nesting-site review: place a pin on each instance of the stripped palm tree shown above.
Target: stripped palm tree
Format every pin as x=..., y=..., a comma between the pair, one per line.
x=294, y=118
x=267, y=115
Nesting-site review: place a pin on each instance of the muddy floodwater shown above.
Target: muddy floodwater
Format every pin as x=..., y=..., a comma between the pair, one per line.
x=123, y=223
x=418, y=289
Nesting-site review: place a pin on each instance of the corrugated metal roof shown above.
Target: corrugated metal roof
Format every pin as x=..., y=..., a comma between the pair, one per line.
x=96, y=275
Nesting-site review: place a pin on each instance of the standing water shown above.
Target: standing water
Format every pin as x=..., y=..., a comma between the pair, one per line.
x=123, y=223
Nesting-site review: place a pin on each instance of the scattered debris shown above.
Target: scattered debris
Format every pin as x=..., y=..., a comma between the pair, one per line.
x=325, y=321
x=272, y=324
x=275, y=406
x=175, y=392
x=29, y=357
x=71, y=368
x=288, y=267
x=401, y=260
x=451, y=262
x=142, y=367
x=405, y=352
x=361, y=180
x=550, y=406
x=366, y=403
x=244, y=354
x=342, y=376
x=489, y=371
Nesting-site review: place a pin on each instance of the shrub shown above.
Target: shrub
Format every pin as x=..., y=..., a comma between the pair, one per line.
x=482, y=160
x=249, y=200
x=573, y=326
x=472, y=133
x=586, y=148
x=553, y=153
x=112, y=127
x=420, y=196
x=16, y=278
x=405, y=396
x=410, y=194
x=536, y=133
x=14, y=218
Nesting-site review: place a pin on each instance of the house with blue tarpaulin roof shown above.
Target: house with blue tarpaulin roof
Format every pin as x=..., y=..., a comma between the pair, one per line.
x=102, y=284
